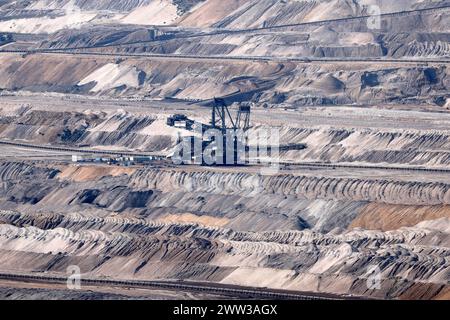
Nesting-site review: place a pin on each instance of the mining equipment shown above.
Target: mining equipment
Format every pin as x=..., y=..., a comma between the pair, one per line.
x=243, y=117
x=222, y=139
x=180, y=121
x=220, y=114
x=232, y=137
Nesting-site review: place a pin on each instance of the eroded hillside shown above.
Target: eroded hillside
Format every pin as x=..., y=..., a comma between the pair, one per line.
x=98, y=229
x=357, y=91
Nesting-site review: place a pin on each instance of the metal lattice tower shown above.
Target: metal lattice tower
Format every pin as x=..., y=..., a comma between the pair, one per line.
x=243, y=117
x=220, y=113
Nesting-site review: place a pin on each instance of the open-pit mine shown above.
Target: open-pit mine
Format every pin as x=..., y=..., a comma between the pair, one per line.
x=338, y=185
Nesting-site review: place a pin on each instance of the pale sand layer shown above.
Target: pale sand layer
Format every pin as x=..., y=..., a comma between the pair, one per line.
x=79, y=174
x=159, y=12
x=191, y=218
x=46, y=25
x=111, y=76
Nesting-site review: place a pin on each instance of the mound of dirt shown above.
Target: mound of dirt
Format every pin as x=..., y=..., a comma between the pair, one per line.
x=112, y=76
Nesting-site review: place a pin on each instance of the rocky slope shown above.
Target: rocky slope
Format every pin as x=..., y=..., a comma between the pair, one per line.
x=273, y=83
x=149, y=133
x=291, y=201
x=48, y=16
x=301, y=230
x=294, y=260
x=374, y=223
x=196, y=13
x=419, y=34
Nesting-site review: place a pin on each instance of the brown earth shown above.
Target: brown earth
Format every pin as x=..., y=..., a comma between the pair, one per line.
x=385, y=217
